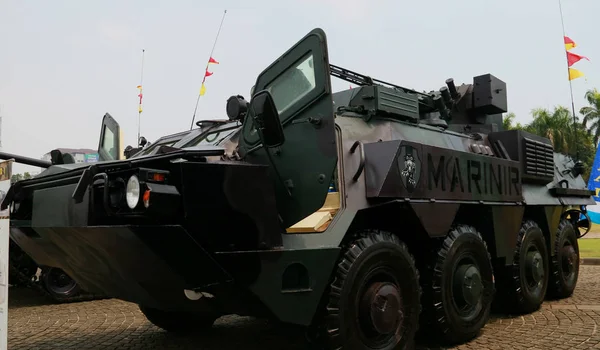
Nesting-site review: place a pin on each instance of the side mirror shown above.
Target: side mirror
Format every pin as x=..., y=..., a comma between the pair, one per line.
x=266, y=119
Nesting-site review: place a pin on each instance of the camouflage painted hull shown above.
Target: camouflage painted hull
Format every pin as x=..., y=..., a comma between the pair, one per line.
x=153, y=265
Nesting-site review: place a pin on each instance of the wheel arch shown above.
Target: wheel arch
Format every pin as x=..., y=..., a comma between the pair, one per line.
x=548, y=218
x=395, y=217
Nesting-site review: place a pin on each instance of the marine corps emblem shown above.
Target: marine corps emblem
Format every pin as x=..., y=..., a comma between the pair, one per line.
x=409, y=165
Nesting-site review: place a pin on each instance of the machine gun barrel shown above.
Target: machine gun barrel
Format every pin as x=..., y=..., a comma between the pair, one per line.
x=361, y=80
x=25, y=160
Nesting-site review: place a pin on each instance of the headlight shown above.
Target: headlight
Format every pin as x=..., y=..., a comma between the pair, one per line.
x=132, y=193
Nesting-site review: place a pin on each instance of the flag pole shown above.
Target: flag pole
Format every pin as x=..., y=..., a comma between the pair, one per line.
x=570, y=81
x=140, y=96
x=206, y=69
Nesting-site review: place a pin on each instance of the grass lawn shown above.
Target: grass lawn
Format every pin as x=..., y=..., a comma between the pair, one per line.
x=589, y=247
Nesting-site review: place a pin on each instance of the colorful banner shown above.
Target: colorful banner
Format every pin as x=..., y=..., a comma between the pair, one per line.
x=5, y=175
x=569, y=44
x=207, y=74
x=594, y=185
x=140, y=95
x=573, y=58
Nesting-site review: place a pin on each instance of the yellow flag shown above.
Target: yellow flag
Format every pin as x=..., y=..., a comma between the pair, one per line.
x=140, y=109
x=202, y=90
x=574, y=73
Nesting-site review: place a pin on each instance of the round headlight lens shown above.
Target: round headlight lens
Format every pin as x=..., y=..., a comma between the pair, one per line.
x=132, y=193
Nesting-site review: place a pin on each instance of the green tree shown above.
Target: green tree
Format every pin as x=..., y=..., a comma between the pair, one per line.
x=567, y=136
x=507, y=122
x=557, y=125
x=591, y=114
x=18, y=177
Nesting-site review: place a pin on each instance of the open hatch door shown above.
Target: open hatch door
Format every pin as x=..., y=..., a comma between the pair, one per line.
x=110, y=146
x=303, y=166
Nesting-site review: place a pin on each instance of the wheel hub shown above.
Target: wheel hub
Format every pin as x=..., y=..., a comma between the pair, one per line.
x=569, y=258
x=59, y=282
x=382, y=304
x=467, y=284
x=535, y=266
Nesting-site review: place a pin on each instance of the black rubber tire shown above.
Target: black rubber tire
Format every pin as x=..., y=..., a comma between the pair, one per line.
x=375, y=251
x=443, y=320
x=179, y=322
x=59, y=294
x=562, y=284
x=515, y=291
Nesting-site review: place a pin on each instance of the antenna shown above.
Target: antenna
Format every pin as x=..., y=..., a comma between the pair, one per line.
x=140, y=96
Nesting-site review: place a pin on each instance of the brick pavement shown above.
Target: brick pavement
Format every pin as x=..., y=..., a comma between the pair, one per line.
x=112, y=324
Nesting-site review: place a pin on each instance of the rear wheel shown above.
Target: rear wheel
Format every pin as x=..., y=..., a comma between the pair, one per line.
x=374, y=301
x=524, y=284
x=179, y=322
x=460, y=286
x=565, y=262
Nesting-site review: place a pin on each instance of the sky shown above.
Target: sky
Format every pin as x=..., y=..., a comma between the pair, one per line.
x=64, y=64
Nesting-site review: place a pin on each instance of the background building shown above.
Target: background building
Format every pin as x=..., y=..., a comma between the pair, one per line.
x=81, y=155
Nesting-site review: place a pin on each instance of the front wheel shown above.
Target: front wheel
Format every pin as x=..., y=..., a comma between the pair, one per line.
x=59, y=285
x=179, y=322
x=374, y=300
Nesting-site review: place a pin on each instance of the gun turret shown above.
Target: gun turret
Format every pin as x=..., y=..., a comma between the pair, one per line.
x=26, y=160
x=474, y=107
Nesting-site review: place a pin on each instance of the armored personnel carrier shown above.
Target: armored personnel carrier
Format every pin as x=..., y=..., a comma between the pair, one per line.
x=360, y=215
x=54, y=282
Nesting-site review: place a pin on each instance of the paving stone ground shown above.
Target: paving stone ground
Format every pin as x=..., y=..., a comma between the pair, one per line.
x=113, y=324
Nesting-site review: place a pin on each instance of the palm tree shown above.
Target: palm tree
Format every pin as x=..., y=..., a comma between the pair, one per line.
x=591, y=114
x=556, y=125
x=507, y=122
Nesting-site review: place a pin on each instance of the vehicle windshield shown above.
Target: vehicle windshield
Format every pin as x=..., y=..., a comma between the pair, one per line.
x=108, y=144
x=293, y=84
x=212, y=138
x=154, y=148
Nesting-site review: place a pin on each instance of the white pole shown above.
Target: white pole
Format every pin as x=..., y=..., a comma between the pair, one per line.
x=5, y=174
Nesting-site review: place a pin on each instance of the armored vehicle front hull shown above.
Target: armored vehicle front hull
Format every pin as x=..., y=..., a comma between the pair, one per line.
x=163, y=259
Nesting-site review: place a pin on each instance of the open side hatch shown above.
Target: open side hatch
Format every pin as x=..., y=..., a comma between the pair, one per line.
x=110, y=146
x=302, y=167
